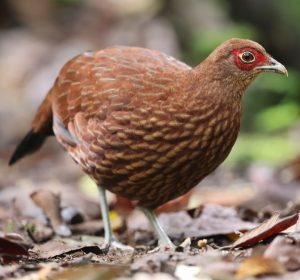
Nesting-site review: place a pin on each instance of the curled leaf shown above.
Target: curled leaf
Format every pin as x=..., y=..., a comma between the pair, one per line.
x=267, y=229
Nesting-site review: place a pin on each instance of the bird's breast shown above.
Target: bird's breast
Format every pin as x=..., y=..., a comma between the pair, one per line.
x=154, y=159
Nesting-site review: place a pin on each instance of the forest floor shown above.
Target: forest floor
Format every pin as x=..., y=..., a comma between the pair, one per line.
x=239, y=225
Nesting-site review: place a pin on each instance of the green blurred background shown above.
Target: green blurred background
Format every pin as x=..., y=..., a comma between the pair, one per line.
x=38, y=37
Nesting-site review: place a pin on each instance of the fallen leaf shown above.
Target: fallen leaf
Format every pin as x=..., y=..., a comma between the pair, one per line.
x=94, y=227
x=37, y=231
x=11, y=250
x=264, y=231
x=57, y=247
x=87, y=272
x=49, y=202
x=286, y=249
x=150, y=263
x=213, y=220
x=152, y=276
x=258, y=266
x=43, y=272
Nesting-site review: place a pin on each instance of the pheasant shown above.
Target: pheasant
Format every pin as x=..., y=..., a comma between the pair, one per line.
x=144, y=125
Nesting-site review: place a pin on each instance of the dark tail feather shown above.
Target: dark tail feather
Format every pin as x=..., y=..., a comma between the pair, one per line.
x=30, y=143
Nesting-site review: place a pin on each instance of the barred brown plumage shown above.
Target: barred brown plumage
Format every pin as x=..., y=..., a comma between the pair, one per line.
x=145, y=125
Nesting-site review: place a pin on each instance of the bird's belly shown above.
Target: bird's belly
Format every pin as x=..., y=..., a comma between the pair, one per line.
x=152, y=174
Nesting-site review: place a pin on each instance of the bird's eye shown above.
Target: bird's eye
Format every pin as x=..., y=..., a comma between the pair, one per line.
x=247, y=57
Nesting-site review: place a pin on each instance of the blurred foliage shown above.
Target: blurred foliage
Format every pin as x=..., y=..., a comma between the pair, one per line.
x=277, y=117
x=272, y=103
x=275, y=150
x=202, y=43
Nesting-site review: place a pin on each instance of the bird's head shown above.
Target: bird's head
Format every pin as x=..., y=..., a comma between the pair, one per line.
x=244, y=59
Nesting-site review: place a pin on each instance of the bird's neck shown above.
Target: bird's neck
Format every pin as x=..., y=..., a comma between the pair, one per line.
x=207, y=87
x=209, y=82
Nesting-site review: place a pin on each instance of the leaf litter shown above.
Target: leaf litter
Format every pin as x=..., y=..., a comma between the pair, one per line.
x=217, y=242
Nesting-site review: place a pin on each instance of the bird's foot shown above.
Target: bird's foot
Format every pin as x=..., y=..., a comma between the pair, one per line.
x=164, y=245
x=114, y=244
x=163, y=248
x=120, y=246
x=170, y=247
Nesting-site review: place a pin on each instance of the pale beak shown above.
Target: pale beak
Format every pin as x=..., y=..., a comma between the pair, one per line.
x=273, y=66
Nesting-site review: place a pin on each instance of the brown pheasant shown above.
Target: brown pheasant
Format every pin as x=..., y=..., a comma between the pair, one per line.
x=144, y=125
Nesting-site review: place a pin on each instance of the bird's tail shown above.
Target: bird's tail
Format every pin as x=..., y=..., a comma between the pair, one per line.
x=40, y=130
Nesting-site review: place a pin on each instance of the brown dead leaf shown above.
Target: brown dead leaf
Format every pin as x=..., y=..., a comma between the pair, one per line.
x=258, y=266
x=39, y=232
x=87, y=272
x=264, y=231
x=49, y=202
x=57, y=247
x=153, y=276
x=286, y=249
x=213, y=220
x=155, y=262
x=94, y=227
x=11, y=250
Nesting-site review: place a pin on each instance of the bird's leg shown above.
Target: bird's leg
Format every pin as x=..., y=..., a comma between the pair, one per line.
x=109, y=239
x=108, y=235
x=163, y=239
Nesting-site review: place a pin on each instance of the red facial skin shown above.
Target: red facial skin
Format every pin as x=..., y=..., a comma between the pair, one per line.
x=260, y=59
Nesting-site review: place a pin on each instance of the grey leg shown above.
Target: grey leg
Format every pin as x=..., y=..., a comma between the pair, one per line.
x=108, y=235
x=163, y=237
x=109, y=239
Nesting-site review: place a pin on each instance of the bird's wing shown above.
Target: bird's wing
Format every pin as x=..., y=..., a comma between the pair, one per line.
x=112, y=86
x=108, y=109
x=113, y=79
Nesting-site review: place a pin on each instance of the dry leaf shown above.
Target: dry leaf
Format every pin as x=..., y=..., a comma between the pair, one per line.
x=152, y=276
x=88, y=272
x=11, y=250
x=49, y=202
x=258, y=265
x=286, y=249
x=94, y=227
x=213, y=220
x=264, y=231
x=38, y=232
x=54, y=248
